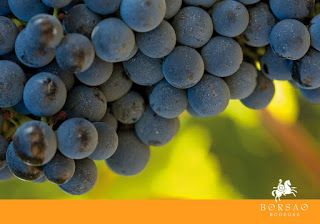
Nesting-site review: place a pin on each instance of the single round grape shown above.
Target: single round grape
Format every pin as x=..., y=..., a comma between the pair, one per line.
x=201, y=3
x=44, y=94
x=210, y=96
x=35, y=143
x=80, y=19
x=113, y=40
x=103, y=7
x=60, y=169
x=12, y=80
x=84, y=178
x=222, y=56
x=275, y=67
x=66, y=76
x=314, y=30
x=77, y=138
x=26, y=9
x=107, y=142
x=168, y=101
x=75, y=53
x=45, y=30
x=98, y=73
x=193, y=26
x=260, y=25
x=129, y=108
x=243, y=82
x=110, y=120
x=131, y=157
x=262, y=95
x=4, y=8
x=183, y=68
x=230, y=18
x=248, y=2
x=306, y=71
x=19, y=168
x=8, y=35
x=56, y=3
x=311, y=95
x=5, y=174
x=143, y=70
x=159, y=42
x=3, y=150
x=21, y=108
x=117, y=85
x=290, y=39
x=172, y=8
x=86, y=102
x=31, y=54
x=288, y=9
x=143, y=15
x=154, y=130
x=193, y=113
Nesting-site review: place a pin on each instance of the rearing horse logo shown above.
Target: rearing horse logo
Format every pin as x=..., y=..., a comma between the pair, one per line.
x=283, y=189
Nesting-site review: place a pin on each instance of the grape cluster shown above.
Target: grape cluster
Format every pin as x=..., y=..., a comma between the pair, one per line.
x=85, y=80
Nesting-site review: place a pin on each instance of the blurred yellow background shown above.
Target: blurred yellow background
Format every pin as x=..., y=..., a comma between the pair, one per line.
x=239, y=154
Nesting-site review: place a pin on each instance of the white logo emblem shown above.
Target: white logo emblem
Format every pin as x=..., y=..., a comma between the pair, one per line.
x=283, y=189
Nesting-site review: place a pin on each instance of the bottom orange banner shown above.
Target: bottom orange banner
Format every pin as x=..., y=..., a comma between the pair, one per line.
x=160, y=211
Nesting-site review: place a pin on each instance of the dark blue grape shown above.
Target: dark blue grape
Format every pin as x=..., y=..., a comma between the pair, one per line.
x=230, y=18
x=56, y=3
x=314, y=30
x=107, y=142
x=117, y=85
x=8, y=35
x=202, y=3
x=260, y=25
x=84, y=178
x=19, y=168
x=26, y=9
x=32, y=54
x=290, y=39
x=3, y=150
x=159, y=42
x=60, y=169
x=77, y=138
x=143, y=15
x=193, y=26
x=222, y=56
x=210, y=96
x=262, y=95
x=75, y=53
x=183, y=68
x=66, y=76
x=131, y=157
x=275, y=67
x=193, y=113
x=44, y=94
x=4, y=8
x=144, y=70
x=44, y=30
x=306, y=71
x=110, y=120
x=86, y=102
x=288, y=9
x=248, y=2
x=243, y=82
x=35, y=143
x=129, y=108
x=311, y=95
x=172, y=8
x=5, y=174
x=168, y=101
x=12, y=79
x=154, y=130
x=113, y=40
x=80, y=19
x=98, y=73
x=103, y=7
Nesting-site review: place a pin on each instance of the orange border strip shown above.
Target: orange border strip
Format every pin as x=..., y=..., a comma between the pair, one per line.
x=152, y=211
